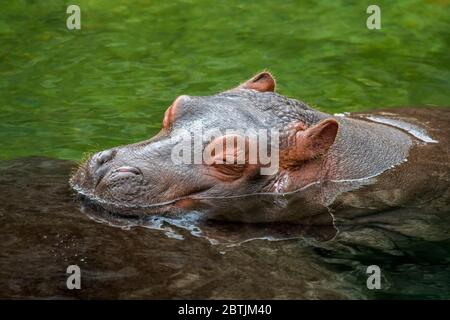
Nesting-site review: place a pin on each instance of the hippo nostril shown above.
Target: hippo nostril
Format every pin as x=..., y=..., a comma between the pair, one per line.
x=98, y=166
x=105, y=156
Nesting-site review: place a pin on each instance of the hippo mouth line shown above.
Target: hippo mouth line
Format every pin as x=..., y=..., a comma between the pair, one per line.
x=122, y=171
x=128, y=169
x=168, y=205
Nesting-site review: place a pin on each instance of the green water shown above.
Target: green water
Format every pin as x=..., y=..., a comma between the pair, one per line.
x=64, y=93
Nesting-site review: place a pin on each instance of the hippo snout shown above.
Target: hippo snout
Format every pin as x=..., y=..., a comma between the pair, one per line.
x=101, y=164
x=107, y=171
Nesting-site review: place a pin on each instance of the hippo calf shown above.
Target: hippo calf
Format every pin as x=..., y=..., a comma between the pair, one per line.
x=344, y=166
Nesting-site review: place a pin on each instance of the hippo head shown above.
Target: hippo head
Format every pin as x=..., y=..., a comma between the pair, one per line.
x=203, y=151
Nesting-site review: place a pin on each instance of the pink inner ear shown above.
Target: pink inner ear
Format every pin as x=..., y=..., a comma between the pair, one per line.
x=311, y=142
x=169, y=115
x=317, y=139
x=262, y=82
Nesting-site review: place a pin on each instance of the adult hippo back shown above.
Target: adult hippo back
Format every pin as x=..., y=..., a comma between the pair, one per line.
x=349, y=167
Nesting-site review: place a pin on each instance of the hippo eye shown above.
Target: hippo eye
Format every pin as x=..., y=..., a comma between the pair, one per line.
x=228, y=172
x=227, y=157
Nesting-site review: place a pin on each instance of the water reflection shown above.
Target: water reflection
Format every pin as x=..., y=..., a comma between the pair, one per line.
x=216, y=232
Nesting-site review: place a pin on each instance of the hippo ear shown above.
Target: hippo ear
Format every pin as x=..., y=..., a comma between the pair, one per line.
x=262, y=82
x=302, y=144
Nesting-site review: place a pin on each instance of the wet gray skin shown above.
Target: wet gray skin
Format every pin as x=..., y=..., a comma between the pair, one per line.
x=349, y=167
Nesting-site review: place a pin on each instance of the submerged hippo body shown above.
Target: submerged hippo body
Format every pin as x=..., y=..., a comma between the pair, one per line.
x=347, y=166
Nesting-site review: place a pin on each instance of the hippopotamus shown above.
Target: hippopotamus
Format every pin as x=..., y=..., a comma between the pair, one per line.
x=345, y=166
